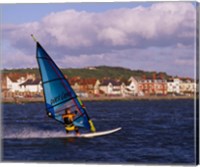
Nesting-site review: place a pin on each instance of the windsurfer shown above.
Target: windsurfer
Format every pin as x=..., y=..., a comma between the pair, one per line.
x=68, y=118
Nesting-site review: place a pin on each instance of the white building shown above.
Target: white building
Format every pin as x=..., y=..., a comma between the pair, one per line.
x=32, y=85
x=112, y=87
x=23, y=83
x=13, y=84
x=187, y=87
x=96, y=87
x=173, y=86
x=132, y=87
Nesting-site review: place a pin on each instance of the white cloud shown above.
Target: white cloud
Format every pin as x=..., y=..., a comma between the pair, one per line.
x=19, y=60
x=178, y=60
x=97, y=38
x=75, y=29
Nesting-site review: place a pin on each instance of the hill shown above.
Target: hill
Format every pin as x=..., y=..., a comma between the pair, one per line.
x=98, y=72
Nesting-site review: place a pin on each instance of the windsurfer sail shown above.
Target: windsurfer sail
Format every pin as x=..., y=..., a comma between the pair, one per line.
x=58, y=93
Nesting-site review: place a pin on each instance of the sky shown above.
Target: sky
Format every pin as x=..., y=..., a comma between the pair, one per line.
x=157, y=36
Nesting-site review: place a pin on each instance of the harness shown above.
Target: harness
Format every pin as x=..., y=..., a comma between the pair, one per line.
x=68, y=119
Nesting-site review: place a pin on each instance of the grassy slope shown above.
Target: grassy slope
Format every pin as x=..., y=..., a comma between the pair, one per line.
x=99, y=73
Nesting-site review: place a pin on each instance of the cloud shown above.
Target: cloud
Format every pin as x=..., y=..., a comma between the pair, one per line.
x=96, y=37
x=135, y=27
x=174, y=60
x=18, y=59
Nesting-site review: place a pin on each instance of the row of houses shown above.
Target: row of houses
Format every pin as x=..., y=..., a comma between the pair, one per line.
x=29, y=85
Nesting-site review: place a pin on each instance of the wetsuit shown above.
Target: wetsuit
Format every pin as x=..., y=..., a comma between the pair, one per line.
x=68, y=119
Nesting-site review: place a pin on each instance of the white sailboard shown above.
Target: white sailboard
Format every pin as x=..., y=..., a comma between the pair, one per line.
x=93, y=134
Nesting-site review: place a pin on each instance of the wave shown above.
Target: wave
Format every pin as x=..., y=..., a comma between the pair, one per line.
x=33, y=133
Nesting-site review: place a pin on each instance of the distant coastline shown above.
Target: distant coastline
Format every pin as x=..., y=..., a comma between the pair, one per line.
x=104, y=98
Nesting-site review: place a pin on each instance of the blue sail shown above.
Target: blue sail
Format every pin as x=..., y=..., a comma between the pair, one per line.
x=58, y=93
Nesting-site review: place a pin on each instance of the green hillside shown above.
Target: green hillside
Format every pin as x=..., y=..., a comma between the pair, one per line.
x=95, y=72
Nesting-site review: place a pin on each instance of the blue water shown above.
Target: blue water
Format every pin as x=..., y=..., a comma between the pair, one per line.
x=153, y=132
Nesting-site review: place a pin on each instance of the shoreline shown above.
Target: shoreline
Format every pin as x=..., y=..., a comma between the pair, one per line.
x=104, y=98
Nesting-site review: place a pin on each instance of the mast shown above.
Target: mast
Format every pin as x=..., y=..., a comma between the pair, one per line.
x=34, y=38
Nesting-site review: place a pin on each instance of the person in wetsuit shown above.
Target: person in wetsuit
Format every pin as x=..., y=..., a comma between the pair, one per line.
x=68, y=118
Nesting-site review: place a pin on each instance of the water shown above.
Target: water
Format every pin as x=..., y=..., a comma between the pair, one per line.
x=153, y=132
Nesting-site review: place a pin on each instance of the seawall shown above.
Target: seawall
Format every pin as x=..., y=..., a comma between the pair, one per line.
x=102, y=98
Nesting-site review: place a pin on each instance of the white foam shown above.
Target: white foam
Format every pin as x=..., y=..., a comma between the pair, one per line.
x=33, y=133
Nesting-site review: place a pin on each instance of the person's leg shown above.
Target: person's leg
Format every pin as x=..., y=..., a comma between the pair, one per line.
x=66, y=129
x=77, y=130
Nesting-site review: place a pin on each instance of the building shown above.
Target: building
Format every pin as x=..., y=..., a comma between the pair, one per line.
x=173, y=86
x=16, y=84
x=112, y=87
x=13, y=82
x=160, y=86
x=4, y=89
x=155, y=85
x=32, y=86
x=187, y=86
x=88, y=85
x=74, y=82
x=83, y=86
x=132, y=86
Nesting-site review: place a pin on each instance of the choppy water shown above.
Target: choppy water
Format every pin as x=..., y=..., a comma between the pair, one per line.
x=154, y=132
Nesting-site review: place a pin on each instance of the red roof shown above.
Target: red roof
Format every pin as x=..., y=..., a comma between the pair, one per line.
x=87, y=81
x=31, y=82
x=105, y=82
x=15, y=76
